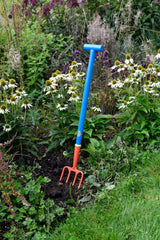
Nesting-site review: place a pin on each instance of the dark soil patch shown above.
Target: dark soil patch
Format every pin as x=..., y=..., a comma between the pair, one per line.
x=59, y=191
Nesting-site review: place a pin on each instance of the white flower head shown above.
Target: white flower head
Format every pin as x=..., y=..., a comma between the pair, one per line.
x=3, y=84
x=62, y=106
x=26, y=104
x=96, y=108
x=12, y=83
x=116, y=84
x=74, y=97
x=21, y=91
x=125, y=103
x=7, y=128
x=3, y=109
x=128, y=59
x=71, y=90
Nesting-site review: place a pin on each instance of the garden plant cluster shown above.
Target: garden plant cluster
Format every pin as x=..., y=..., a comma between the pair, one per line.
x=43, y=69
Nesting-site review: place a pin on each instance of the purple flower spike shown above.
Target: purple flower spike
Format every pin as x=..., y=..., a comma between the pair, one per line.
x=33, y=2
x=76, y=52
x=45, y=10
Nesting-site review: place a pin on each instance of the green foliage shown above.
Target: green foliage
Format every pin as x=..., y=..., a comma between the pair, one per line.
x=41, y=55
x=35, y=221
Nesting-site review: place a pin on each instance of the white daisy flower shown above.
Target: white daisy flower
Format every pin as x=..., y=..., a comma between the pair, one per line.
x=12, y=83
x=96, y=108
x=157, y=56
x=3, y=109
x=20, y=90
x=74, y=97
x=62, y=106
x=149, y=90
x=49, y=84
x=71, y=90
x=7, y=128
x=116, y=84
x=75, y=64
x=13, y=100
x=59, y=96
x=80, y=74
x=3, y=84
x=124, y=104
x=128, y=59
x=26, y=104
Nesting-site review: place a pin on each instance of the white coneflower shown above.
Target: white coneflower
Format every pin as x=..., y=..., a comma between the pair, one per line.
x=128, y=59
x=116, y=84
x=116, y=64
x=7, y=128
x=59, y=96
x=124, y=104
x=62, y=106
x=80, y=74
x=3, y=109
x=121, y=68
x=158, y=55
x=149, y=90
x=134, y=81
x=75, y=64
x=17, y=95
x=12, y=83
x=21, y=91
x=3, y=84
x=13, y=100
x=74, y=97
x=96, y=108
x=26, y=104
x=49, y=85
x=71, y=90
x=67, y=86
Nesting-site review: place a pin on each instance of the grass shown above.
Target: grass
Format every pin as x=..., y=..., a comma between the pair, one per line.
x=131, y=211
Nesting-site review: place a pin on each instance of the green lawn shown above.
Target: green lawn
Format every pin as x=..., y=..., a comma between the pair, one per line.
x=130, y=211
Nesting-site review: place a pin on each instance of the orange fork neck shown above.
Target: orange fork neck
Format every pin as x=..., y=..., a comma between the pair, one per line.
x=76, y=156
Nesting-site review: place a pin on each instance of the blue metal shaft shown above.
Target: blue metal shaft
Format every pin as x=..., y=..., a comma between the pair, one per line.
x=93, y=48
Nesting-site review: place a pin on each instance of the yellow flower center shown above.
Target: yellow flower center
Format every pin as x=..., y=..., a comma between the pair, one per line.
x=128, y=56
x=73, y=63
x=54, y=74
x=12, y=81
x=3, y=82
x=26, y=101
x=117, y=62
x=74, y=95
x=58, y=72
x=13, y=99
x=139, y=67
x=150, y=65
x=114, y=82
x=3, y=107
x=48, y=83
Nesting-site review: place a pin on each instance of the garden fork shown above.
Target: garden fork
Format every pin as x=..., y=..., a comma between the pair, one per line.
x=93, y=48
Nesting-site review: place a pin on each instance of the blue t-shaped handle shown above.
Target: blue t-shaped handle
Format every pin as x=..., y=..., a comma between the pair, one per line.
x=93, y=48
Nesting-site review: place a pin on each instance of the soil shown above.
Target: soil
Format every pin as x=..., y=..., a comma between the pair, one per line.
x=59, y=191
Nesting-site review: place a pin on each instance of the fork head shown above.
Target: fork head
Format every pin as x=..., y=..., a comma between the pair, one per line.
x=71, y=169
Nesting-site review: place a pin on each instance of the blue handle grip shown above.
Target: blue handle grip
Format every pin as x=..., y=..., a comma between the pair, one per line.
x=93, y=48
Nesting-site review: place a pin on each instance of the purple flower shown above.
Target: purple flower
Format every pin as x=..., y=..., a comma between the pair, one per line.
x=33, y=2
x=27, y=13
x=45, y=10
x=76, y=52
x=56, y=2
x=154, y=2
x=74, y=3
x=105, y=53
x=24, y=4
